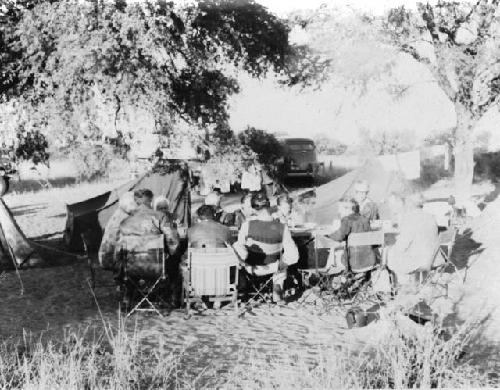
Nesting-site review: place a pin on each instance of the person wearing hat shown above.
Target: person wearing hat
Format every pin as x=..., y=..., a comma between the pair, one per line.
x=145, y=222
x=367, y=208
x=361, y=258
x=266, y=245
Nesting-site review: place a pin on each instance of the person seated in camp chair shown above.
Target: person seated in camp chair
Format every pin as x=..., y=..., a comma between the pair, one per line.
x=285, y=213
x=208, y=233
x=143, y=227
x=126, y=206
x=362, y=258
x=417, y=245
x=145, y=222
x=367, y=208
x=266, y=245
x=244, y=213
x=214, y=199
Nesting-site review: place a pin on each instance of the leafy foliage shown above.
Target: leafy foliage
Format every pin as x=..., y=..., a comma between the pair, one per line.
x=349, y=48
x=458, y=42
x=387, y=142
x=32, y=146
x=66, y=62
x=265, y=145
x=327, y=145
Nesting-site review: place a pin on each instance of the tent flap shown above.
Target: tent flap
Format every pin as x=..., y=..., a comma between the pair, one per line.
x=382, y=184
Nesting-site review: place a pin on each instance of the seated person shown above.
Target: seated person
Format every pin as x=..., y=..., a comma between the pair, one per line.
x=266, y=245
x=367, y=208
x=162, y=204
x=239, y=216
x=136, y=234
x=417, y=244
x=362, y=258
x=126, y=206
x=146, y=222
x=285, y=214
x=208, y=233
x=214, y=199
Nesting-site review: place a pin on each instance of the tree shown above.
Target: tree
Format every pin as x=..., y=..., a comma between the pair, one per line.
x=265, y=145
x=459, y=43
x=67, y=61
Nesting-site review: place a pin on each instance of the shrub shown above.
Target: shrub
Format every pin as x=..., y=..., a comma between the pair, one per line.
x=265, y=145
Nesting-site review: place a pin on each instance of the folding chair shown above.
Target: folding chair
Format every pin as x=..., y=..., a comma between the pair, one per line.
x=210, y=273
x=447, y=240
x=357, y=277
x=90, y=249
x=445, y=248
x=143, y=270
x=322, y=249
x=374, y=239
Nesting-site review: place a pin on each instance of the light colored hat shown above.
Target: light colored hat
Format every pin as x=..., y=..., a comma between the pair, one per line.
x=361, y=186
x=161, y=202
x=212, y=199
x=127, y=202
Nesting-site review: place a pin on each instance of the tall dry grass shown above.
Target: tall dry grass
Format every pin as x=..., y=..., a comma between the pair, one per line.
x=422, y=358
x=418, y=357
x=116, y=359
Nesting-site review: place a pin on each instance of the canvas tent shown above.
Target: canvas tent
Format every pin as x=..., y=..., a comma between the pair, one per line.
x=382, y=183
x=92, y=215
x=15, y=249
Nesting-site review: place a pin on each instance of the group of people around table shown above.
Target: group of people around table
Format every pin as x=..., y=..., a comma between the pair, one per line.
x=264, y=241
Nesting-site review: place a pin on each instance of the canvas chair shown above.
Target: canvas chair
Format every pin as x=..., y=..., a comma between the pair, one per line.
x=146, y=282
x=260, y=283
x=432, y=276
x=210, y=273
x=323, y=247
x=374, y=239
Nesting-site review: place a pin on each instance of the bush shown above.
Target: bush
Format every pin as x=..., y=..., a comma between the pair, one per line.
x=265, y=145
x=487, y=165
x=32, y=145
x=92, y=161
x=431, y=171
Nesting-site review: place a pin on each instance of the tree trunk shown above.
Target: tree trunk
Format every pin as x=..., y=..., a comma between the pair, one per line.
x=464, y=151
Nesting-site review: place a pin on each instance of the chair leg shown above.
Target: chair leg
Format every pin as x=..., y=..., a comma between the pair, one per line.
x=187, y=303
x=92, y=273
x=235, y=302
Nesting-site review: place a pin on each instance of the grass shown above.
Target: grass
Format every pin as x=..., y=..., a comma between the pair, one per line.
x=402, y=359
x=81, y=360
x=118, y=359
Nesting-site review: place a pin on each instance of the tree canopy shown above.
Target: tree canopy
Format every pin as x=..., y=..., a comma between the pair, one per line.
x=64, y=61
x=459, y=44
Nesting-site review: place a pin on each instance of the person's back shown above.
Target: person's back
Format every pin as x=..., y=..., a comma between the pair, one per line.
x=126, y=207
x=264, y=241
x=145, y=223
x=208, y=233
x=417, y=242
x=360, y=258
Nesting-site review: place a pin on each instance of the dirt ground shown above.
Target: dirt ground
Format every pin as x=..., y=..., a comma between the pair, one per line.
x=58, y=298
